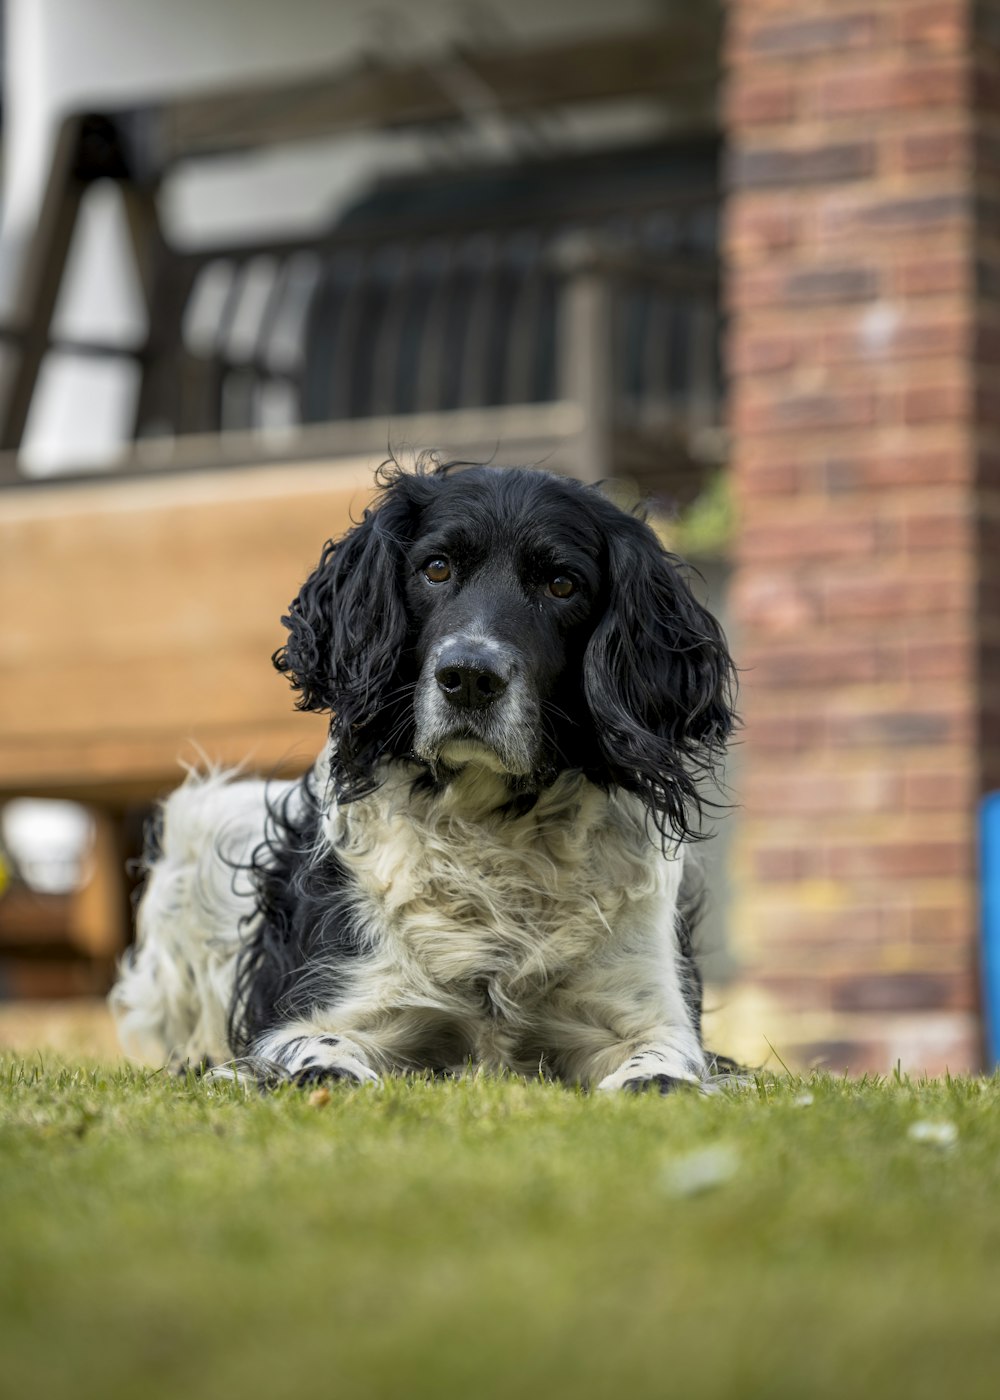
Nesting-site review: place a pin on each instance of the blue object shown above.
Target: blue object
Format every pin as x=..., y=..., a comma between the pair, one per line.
x=989, y=838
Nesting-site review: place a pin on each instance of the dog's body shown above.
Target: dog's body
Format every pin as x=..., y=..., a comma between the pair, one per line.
x=485, y=864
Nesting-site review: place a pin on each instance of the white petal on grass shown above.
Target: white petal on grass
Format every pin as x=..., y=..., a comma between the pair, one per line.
x=699, y=1171
x=802, y=1100
x=939, y=1133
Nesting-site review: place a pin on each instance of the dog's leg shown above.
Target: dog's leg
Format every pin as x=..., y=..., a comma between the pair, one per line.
x=301, y=1054
x=661, y=1060
x=585, y=1050
x=603, y=1036
x=658, y=1065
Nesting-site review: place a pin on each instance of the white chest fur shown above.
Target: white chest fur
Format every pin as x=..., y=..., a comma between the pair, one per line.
x=460, y=896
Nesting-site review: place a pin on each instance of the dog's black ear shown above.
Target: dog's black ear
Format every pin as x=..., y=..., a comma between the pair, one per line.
x=347, y=632
x=659, y=681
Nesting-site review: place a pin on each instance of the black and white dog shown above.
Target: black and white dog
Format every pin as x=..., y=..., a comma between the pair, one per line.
x=485, y=864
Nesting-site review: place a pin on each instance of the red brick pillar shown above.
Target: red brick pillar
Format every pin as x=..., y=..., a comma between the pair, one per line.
x=985, y=88
x=861, y=474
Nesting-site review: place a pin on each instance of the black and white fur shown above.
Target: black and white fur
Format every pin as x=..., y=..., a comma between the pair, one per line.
x=485, y=864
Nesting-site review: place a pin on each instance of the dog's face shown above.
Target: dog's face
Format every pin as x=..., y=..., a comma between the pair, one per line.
x=502, y=584
x=515, y=620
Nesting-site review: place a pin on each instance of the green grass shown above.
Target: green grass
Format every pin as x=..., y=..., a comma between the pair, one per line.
x=485, y=1238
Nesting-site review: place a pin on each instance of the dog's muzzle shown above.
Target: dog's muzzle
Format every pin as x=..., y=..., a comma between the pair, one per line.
x=474, y=703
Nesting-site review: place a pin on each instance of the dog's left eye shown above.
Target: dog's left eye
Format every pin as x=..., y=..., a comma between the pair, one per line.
x=561, y=586
x=437, y=571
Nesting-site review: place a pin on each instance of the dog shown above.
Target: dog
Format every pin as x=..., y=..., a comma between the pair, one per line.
x=485, y=865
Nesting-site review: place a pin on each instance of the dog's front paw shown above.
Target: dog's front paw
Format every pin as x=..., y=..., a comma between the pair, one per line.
x=655, y=1083
x=350, y=1072
x=650, y=1071
x=312, y=1059
x=298, y=1059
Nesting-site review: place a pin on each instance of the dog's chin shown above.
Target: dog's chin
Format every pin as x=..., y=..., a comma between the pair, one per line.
x=448, y=755
x=465, y=753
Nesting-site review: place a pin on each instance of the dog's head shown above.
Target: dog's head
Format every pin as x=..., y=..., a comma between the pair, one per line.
x=518, y=621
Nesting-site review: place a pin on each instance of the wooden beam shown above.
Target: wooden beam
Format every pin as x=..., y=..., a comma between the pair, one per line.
x=511, y=433
x=676, y=62
x=41, y=279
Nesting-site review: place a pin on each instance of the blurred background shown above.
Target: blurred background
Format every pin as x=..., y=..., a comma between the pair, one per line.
x=740, y=261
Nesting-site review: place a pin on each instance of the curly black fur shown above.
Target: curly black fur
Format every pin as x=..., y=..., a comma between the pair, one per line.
x=303, y=928
x=658, y=680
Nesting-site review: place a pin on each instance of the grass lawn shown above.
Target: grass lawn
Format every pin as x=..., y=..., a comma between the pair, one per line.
x=481, y=1238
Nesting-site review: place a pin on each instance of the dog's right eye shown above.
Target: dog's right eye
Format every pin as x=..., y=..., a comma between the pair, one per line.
x=437, y=571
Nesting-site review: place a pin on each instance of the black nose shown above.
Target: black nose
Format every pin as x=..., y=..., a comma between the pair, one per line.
x=469, y=680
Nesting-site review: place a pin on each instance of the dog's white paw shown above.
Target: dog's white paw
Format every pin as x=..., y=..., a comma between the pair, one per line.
x=300, y=1059
x=652, y=1070
x=308, y=1059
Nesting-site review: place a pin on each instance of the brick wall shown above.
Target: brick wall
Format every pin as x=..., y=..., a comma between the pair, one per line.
x=864, y=196
x=986, y=89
